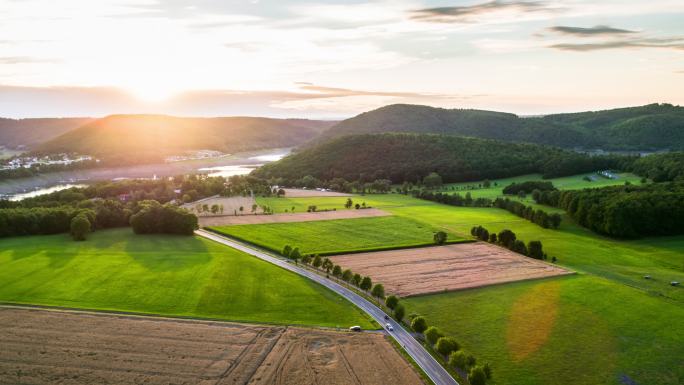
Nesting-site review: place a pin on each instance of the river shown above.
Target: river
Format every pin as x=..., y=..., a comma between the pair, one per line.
x=236, y=164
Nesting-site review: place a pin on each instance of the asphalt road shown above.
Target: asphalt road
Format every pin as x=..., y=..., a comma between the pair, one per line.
x=431, y=367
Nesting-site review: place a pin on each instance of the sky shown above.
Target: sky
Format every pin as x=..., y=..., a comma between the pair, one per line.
x=333, y=59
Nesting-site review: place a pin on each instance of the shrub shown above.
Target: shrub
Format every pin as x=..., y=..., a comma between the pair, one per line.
x=80, y=227
x=458, y=359
x=392, y=301
x=432, y=334
x=419, y=324
x=534, y=250
x=399, y=312
x=446, y=345
x=477, y=376
x=287, y=250
x=440, y=237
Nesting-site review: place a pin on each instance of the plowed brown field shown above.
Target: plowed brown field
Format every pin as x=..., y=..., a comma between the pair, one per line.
x=435, y=269
x=45, y=347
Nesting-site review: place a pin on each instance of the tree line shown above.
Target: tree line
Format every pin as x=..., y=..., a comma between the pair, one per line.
x=403, y=157
x=509, y=240
x=537, y=216
x=624, y=211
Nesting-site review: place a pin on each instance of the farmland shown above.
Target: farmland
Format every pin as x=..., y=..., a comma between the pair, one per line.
x=606, y=324
x=571, y=330
x=162, y=274
x=337, y=236
x=445, y=268
x=75, y=348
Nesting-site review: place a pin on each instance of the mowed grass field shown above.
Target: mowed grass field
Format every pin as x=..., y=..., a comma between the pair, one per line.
x=579, y=330
x=575, y=182
x=606, y=325
x=162, y=274
x=337, y=236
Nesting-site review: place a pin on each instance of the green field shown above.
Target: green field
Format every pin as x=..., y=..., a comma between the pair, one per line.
x=578, y=330
x=574, y=182
x=337, y=236
x=160, y=274
x=609, y=324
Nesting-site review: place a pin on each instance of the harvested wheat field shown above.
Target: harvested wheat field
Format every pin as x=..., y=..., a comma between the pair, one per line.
x=301, y=193
x=443, y=268
x=294, y=217
x=231, y=206
x=41, y=347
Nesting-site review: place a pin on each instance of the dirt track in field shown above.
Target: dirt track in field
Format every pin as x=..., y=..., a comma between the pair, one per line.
x=436, y=269
x=300, y=193
x=46, y=347
x=231, y=206
x=294, y=217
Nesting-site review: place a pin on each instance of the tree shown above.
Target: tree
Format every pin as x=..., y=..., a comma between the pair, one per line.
x=378, y=291
x=484, y=235
x=349, y=203
x=446, y=345
x=487, y=370
x=492, y=238
x=486, y=183
x=534, y=250
x=555, y=220
x=337, y=271
x=433, y=180
x=254, y=208
x=214, y=209
x=519, y=247
x=432, y=334
x=440, y=237
x=356, y=279
x=366, y=283
x=392, y=301
x=287, y=250
x=327, y=265
x=506, y=238
x=80, y=227
x=399, y=312
x=241, y=209
x=477, y=376
x=419, y=324
x=317, y=261
x=458, y=359
x=306, y=259
x=347, y=275
x=295, y=255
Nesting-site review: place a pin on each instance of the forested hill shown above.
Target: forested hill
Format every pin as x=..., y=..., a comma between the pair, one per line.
x=409, y=157
x=148, y=138
x=649, y=127
x=31, y=132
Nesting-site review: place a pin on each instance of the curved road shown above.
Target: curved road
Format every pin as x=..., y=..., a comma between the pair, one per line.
x=432, y=368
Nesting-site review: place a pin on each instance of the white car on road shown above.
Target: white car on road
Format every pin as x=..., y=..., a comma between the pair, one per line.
x=389, y=327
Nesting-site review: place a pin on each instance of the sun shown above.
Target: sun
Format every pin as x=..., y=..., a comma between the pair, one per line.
x=153, y=92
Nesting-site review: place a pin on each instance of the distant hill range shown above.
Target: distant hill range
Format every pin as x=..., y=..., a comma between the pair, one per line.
x=148, y=138
x=27, y=133
x=402, y=157
x=649, y=127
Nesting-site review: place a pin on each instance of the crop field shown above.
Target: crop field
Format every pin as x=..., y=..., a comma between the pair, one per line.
x=338, y=236
x=74, y=348
x=161, y=274
x=575, y=182
x=579, y=330
x=286, y=218
x=445, y=268
x=605, y=325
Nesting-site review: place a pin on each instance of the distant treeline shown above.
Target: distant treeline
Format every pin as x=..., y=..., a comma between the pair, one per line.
x=528, y=187
x=624, y=211
x=411, y=157
x=24, y=172
x=660, y=167
x=538, y=216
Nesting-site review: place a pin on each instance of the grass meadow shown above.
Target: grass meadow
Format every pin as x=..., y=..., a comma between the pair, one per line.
x=162, y=274
x=337, y=236
x=605, y=325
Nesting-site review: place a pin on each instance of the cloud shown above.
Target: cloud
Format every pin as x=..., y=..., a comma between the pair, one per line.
x=23, y=60
x=469, y=14
x=599, y=30
x=319, y=92
x=676, y=43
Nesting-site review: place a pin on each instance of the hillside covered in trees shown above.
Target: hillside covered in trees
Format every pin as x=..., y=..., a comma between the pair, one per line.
x=31, y=132
x=128, y=139
x=402, y=157
x=649, y=127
